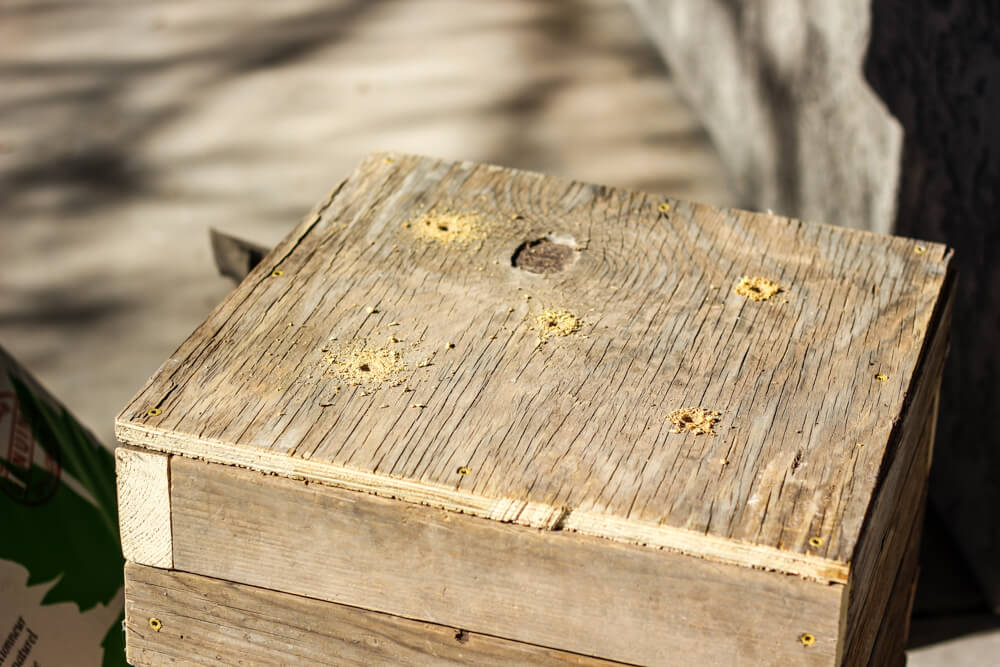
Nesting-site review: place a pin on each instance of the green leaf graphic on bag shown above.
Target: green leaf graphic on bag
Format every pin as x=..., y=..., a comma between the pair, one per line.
x=61, y=505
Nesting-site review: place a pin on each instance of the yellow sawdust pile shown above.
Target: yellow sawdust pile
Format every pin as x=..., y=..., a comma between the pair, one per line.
x=365, y=365
x=556, y=323
x=757, y=289
x=449, y=227
x=695, y=420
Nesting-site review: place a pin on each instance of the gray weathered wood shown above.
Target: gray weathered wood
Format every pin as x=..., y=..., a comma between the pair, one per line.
x=572, y=432
x=779, y=87
x=880, y=594
x=549, y=588
x=209, y=621
x=894, y=627
x=886, y=540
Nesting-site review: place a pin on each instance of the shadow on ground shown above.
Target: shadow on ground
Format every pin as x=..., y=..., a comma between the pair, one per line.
x=934, y=64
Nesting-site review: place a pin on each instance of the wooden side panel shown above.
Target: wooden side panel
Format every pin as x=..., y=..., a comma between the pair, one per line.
x=871, y=595
x=144, y=506
x=566, y=591
x=894, y=631
x=886, y=539
x=208, y=621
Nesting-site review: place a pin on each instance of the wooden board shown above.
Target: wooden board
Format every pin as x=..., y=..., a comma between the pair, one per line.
x=894, y=628
x=889, y=535
x=572, y=433
x=144, y=507
x=880, y=596
x=208, y=621
x=549, y=588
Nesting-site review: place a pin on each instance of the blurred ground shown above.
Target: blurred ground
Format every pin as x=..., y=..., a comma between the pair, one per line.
x=127, y=129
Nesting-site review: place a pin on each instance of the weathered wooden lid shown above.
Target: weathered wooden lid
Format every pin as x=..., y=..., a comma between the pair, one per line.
x=390, y=345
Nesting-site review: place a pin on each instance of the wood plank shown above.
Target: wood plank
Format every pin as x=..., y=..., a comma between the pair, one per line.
x=209, y=621
x=583, y=438
x=871, y=597
x=901, y=491
x=550, y=588
x=144, y=506
x=894, y=629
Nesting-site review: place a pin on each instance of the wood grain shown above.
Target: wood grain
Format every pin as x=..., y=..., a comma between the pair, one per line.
x=144, y=506
x=883, y=577
x=886, y=540
x=208, y=621
x=573, y=432
x=894, y=627
x=549, y=588
x=879, y=615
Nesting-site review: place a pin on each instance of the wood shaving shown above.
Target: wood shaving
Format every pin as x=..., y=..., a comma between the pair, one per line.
x=694, y=420
x=556, y=323
x=757, y=288
x=449, y=227
x=363, y=365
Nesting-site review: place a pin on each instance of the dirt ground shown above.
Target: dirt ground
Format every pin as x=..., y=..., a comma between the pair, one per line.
x=128, y=129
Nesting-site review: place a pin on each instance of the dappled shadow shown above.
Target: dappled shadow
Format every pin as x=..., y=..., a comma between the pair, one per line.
x=92, y=176
x=93, y=126
x=63, y=308
x=90, y=153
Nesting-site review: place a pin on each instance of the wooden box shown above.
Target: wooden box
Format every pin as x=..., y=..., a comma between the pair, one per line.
x=464, y=414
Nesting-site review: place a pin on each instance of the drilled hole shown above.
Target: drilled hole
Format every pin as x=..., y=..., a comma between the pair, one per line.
x=543, y=256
